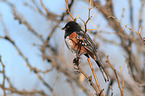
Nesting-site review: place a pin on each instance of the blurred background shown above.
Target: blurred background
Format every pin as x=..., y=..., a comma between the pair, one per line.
x=34, y=60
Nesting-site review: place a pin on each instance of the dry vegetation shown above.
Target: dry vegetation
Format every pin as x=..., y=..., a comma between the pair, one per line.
x=79, y=80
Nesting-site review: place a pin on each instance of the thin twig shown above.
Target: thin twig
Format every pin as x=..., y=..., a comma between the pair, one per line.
x=44, y=7
x=95, y=77
x=122, y=82
x=141, y=15
x=45, y=43
x=68, y=10
x=125, y=26
x=89, y=78
x=61, y=68
x=22, y=20
x=35, y=70
x=24, y=92
x=114, y=73
x=4, y=77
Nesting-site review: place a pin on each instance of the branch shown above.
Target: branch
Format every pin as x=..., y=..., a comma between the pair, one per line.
x=24, y=92
x=46, y=10
x=76, y=62
x=125, y=26
x=95, y=77
x=4, y=77
x=122, y=82
x=45, y=43
x=35, y=70
x=89, y=78
x=115, y=74
x=68, y=9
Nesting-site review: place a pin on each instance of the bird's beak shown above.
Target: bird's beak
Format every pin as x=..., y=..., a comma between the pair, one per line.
x=63, y=28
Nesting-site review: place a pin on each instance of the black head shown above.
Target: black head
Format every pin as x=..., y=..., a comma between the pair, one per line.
x=72, y=26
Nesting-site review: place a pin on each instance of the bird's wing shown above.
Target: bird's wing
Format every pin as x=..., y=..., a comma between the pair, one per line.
x=88, y=43
x=90, y=46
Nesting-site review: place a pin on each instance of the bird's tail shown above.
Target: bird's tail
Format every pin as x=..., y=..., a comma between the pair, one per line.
x=102, y=70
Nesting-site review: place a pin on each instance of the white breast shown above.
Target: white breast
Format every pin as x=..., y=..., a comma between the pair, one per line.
x=69, y=44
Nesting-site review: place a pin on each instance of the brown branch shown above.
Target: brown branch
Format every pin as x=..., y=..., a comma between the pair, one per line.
x=89, y=78
x=46, y=10
x=22, y=20
x=109, y=86
x=119, y=31
x=14, y=90
x=50, y=15
x=131, y=13
x=36, y=8
x=107, y=11
x=115, y=74
x=76, y=62
x=141, y=15
x=68, y=10
x=4, y=77
x=24, y=92
x=35, y=70
x=45, y=43
x=95, y=77
x=73, y=77
x=85, y=22
x=44, y=82
x=125, y=26
x=73, y=88
x=122, y=82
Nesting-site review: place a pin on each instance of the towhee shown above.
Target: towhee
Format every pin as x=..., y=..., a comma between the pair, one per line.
x=80, y=43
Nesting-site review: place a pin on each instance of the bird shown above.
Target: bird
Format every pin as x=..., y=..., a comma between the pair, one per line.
x=79, y=42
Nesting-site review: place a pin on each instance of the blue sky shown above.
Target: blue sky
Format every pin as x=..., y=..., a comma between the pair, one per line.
x=24, y=39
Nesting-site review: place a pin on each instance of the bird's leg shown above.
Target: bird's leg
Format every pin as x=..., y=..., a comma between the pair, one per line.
x=76, y=63
x=76, y=60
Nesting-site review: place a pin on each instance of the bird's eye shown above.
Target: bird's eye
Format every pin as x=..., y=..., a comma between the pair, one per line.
x=67, y=27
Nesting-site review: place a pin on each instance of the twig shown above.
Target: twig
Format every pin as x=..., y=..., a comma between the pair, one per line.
x=73, y=87
x=11, y=88
x=21, y=18
x=44, y=7
x=131, y=13
x=114, y=73
x=4, y=77
x=85, y=22
x=35, y=70
x=109, y=87
x=24, y=92
x=68, y=10
x=45, y=43
x=95, y=77
x=76, y=62
x=73, y=77
x=125, y=26
x=89, y=78
x=44, y=82
x=141, y=14
x=122, y=82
